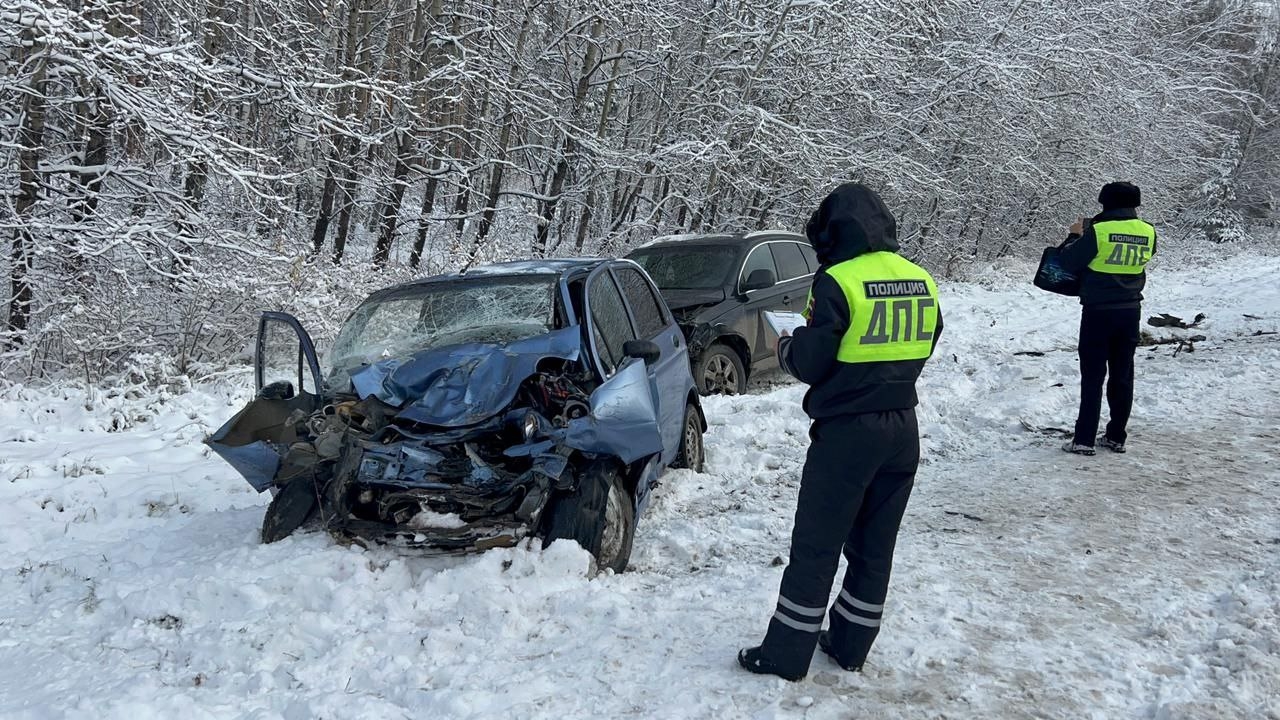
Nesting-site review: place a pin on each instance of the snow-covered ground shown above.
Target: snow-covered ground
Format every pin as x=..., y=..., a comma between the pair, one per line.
x=1029, y=583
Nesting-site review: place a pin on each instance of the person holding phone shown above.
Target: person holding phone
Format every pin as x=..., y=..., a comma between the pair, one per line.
x=1110, y=253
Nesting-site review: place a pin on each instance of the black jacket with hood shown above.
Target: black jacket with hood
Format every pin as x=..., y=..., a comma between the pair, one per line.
x=851, y=221
x=1102, y=291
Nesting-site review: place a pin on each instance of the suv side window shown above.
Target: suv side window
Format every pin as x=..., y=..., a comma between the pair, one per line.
x=645, y=308
x=810, y=257
x=791, y=263
x=609, y=323
x=760, y=259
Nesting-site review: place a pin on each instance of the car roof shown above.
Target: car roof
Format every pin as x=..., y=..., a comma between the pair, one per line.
x=554, y=267
x=551, y=266
x=734, y=240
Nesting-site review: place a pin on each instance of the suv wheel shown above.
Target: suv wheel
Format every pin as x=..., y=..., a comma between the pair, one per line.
x=691, y=453
x=599, y=515
x=720, y=372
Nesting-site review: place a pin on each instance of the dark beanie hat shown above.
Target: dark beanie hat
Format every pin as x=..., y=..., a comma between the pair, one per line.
x=1120, y=195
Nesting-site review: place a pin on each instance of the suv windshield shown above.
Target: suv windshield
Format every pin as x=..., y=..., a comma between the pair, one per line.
x=497, y=310
x=676, y=267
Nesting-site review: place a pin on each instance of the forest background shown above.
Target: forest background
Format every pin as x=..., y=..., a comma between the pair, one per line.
x=168, y=168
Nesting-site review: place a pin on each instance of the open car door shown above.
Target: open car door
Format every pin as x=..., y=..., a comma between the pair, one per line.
x=288, y=388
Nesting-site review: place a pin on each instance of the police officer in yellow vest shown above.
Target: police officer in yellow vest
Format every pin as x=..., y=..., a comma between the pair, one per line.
x=1110, y=255
x=873, y=321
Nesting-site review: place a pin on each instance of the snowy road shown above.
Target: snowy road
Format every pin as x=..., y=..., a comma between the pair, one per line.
x=1029, y=583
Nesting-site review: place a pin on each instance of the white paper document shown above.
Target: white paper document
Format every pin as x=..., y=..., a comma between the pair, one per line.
x=784, y=322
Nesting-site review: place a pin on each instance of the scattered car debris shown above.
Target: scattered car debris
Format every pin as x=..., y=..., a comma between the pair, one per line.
x=1167, y=320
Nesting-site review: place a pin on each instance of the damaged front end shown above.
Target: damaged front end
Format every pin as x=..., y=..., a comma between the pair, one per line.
x=457, y=449
x=398, y=481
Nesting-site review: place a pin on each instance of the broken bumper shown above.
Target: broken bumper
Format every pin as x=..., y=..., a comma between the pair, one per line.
x=448, y=499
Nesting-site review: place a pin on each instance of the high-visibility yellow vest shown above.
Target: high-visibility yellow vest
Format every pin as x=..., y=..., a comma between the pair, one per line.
x=1124, y=246
x=893, y=308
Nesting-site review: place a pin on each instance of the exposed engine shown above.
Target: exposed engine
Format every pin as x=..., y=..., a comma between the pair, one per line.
x=378, y=477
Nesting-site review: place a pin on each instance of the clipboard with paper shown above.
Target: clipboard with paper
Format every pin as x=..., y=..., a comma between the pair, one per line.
x=780, y=323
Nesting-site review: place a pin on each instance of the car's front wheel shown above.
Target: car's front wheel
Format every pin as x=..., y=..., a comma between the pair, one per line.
x=691, y=453
x=720, y=372
x=290, y=508
x=599, y=515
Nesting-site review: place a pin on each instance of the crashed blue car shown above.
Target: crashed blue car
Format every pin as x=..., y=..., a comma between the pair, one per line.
x=471, y=411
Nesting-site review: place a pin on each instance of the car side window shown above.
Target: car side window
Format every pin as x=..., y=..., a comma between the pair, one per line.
x=760, y=259
x=646, y=309
x=791, y=263
x=610, y=325
x=810, y=257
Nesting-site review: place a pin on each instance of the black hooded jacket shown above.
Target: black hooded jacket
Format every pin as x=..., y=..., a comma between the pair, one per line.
x=851, y=221
x=1102, y=291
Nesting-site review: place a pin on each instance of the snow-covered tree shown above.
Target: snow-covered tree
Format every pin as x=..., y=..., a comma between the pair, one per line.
x=168, y=168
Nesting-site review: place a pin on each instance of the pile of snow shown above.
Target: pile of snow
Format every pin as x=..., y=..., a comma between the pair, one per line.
x=427, y=519
x=1029, y=583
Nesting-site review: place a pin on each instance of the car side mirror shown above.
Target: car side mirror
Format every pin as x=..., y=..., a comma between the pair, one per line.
x=278, y=390
x=759, y=280
x=646, y=350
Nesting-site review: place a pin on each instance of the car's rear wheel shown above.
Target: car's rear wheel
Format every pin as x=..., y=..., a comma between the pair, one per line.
x=691, y=453
x=720, y=371
x=599, y=515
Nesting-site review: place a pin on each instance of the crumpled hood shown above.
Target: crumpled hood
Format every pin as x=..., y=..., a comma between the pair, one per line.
x=849, y=222
x=461, y=385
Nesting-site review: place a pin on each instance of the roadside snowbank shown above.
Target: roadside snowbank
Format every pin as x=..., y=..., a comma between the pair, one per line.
x=1029, y=583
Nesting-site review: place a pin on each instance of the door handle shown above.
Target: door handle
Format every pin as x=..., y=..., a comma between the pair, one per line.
x=675, y=340
x=786, y=299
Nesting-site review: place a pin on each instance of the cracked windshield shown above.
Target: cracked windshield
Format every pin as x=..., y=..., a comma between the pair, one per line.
x=436, y=315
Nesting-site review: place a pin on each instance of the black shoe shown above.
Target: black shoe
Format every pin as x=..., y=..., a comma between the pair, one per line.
x=824, y=644
x=752, y=660
x=1112, y=445
x=1076, y=448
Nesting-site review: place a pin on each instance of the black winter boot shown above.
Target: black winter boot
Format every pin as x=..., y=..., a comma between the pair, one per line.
x=753, y=660
x=1112, y=445
x=824, y=643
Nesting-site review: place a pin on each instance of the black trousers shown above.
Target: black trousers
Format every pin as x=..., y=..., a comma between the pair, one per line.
x=1108, y=339
x=854, y=488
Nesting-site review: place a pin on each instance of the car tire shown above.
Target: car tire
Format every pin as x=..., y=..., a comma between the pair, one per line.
x=599, y=515
x=691, y=455
x=290, y=508
x=720, y=372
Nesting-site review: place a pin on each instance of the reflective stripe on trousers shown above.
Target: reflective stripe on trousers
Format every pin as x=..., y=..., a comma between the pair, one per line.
x=857, y=611
x=799, y=617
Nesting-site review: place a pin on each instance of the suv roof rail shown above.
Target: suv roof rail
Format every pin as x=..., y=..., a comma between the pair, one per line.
x=668, y=238
x=761, y=233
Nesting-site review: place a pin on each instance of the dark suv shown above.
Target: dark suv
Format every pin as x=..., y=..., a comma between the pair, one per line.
x=718, y=287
